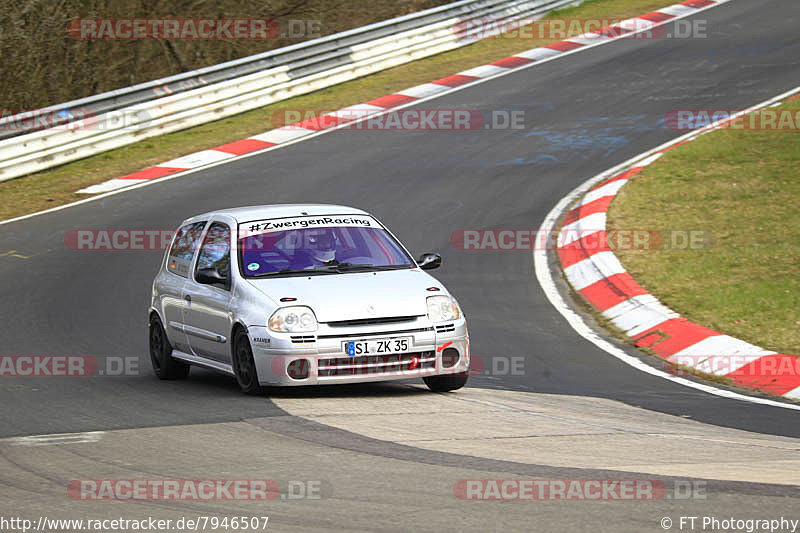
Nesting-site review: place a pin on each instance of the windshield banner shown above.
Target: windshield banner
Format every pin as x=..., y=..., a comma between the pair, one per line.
x=259, y=227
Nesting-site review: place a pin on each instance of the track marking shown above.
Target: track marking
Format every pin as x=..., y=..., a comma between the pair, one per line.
x=547, y=281
x=55, y=439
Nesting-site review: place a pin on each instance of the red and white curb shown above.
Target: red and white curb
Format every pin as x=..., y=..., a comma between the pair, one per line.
x=355, y=113
x=596, y=273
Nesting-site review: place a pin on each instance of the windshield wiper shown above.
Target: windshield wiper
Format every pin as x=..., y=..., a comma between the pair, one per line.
x=391, y=267
x=336, y=268
x=350, y=267
x=294, y=272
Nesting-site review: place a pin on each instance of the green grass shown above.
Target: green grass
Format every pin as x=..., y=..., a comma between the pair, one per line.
x=57, y=186
x=743, y=187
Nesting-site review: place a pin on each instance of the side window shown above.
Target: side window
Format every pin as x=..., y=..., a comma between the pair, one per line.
x=216, y=250
x=183, y=246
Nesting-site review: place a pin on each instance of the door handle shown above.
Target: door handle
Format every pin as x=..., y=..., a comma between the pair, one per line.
x=188, y=298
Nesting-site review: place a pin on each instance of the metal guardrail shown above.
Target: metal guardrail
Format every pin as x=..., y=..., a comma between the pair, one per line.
x=128, y=115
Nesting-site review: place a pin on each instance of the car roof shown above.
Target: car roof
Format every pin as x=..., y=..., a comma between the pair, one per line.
x=261, y=212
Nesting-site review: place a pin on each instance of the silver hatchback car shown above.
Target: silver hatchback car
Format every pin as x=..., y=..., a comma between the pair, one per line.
x=303, y=295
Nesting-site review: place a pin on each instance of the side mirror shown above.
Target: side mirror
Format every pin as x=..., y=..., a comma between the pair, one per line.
x=210, y=276
x=429, y=261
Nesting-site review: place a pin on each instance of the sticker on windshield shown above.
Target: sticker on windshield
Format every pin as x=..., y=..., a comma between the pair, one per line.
x=283, y=224
x=253, y=266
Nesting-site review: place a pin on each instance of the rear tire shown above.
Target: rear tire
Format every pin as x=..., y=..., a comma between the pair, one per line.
x=446, y=383
x=244, y=365
x=164, y=365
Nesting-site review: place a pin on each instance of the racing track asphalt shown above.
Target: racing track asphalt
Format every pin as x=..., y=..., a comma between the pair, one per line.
x=583, y=114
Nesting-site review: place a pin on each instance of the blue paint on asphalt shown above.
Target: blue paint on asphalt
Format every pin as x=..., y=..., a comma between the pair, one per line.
x=591, y=138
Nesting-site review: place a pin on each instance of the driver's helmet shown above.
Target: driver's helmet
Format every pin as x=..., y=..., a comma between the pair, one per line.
x=321, y=244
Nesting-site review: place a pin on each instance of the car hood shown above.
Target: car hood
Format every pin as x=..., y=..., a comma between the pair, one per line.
x=355, y=296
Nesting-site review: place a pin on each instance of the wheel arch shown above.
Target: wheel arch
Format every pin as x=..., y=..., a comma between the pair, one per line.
x=237, y=326
x=154, y=313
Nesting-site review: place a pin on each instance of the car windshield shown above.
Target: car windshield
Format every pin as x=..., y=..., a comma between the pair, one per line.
x=318, y=245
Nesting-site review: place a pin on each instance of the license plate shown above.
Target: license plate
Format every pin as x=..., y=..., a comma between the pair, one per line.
x=377, y=346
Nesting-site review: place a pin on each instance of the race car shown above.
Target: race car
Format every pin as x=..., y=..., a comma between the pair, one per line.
x=281, y=295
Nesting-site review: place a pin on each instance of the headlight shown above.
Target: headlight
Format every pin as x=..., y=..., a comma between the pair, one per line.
x=296, y=319
x=442, y=308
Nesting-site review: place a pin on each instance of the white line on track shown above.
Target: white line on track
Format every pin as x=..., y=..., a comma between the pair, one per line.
x=57, y=438
x=546, y=280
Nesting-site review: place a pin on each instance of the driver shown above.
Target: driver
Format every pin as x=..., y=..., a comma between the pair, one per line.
x=319, y=248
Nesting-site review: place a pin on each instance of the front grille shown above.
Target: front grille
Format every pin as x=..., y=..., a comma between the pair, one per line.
x=371, y=321
x=447, y=328
x=365, y=334
x=302, y=339
x=370, y=365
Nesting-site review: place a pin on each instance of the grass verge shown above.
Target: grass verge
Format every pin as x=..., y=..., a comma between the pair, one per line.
x=57, y=186
x=743, y=187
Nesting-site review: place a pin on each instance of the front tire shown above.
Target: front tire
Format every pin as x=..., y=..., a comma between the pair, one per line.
x=164, y=365
x=244, y=365
x=446, y=383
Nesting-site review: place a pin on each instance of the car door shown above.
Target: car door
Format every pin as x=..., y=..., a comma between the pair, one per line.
x=207, y=318
x=171, y=285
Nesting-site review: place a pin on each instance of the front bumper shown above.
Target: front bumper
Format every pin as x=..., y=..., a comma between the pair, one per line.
x=437, y=349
